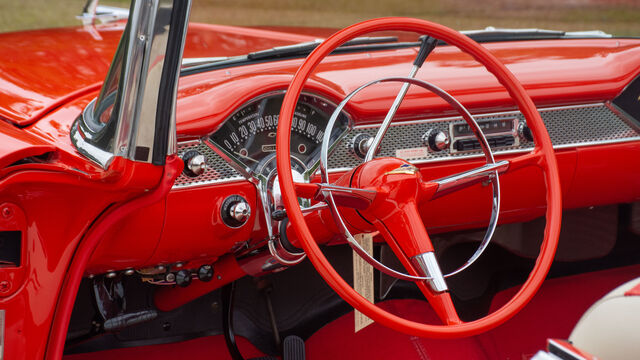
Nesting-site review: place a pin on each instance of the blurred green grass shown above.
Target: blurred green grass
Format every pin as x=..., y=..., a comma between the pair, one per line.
x=619, y=17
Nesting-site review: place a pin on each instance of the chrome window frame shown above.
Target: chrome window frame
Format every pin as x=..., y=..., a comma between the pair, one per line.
x=144, y=106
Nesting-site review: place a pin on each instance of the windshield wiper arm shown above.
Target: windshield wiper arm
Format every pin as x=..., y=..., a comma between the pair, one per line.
x=491, y=34
x=307, y=47
x=299, y=49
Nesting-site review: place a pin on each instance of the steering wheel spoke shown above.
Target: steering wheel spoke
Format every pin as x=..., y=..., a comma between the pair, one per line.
x=355, y=198
x=446, y=185
x=434, y=189
x=407, y=237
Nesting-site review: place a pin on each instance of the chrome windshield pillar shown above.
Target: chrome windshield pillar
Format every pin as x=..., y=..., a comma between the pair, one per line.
x=134, y=115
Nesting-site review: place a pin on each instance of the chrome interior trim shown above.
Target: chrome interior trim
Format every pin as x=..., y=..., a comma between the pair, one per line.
x=461, y=180
x=591, y=124
x=281, y=254
x=131, y=97
x=623, y=115
x=382, y=129
x=92, y=152
x=218, y=170
x=427, y=264
x=490, y=170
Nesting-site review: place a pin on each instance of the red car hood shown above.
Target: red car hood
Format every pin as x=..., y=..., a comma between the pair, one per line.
x=41, y=70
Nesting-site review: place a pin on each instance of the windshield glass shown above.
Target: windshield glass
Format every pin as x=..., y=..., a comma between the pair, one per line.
x=617, y=17
x=612, y=16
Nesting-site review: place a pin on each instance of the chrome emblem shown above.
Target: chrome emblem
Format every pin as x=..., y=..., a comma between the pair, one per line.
x=407, y=169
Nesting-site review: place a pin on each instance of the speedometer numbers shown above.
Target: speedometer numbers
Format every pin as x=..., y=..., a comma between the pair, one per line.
x=249, y=135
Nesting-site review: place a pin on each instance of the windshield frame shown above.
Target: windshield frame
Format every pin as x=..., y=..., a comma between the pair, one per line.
x=134, y=115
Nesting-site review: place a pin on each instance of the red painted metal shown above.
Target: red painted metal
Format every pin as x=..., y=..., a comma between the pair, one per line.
x=194, y=215
x=76, y=62
x=16, y=145
x=43, y=69
x=94, y=235
x=48, y=76
x=51, y=236
x=12, y=278
x=543, y=145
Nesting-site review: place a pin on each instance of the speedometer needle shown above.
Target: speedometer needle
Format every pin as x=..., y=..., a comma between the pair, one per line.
x=246, y=157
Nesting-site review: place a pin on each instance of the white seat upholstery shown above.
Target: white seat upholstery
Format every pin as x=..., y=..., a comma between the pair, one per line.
x=610, y=329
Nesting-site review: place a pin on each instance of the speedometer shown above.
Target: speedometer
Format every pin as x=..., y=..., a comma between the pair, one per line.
x=249, y=135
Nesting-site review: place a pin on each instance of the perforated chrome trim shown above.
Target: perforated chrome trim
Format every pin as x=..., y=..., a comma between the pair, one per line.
x=217, y=171
x=568, y=126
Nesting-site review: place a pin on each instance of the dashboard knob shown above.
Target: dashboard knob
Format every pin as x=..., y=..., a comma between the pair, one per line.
x=205, y=273
x=524, y=132
x=436, y=140
x=195, y=164
x=360, y=144
x=183, y=278
x=240, y=211
x=235, y=211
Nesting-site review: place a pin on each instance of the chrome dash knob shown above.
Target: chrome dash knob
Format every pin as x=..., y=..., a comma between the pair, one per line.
x=524, y=132
x=360, y=144
x=436, y=140
x=195, y=164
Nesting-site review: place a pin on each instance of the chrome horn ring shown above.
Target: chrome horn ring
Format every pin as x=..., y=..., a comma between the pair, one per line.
x=495, y=208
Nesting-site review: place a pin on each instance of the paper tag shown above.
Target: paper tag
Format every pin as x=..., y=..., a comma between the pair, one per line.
x=363, y=278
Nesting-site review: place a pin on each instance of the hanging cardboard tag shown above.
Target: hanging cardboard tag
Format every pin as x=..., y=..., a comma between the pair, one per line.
x=363, y=278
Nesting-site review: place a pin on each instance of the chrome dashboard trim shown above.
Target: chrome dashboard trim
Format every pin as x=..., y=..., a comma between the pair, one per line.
x=551, y=115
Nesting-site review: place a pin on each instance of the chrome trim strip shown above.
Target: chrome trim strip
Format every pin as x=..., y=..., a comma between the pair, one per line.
x=623, y=115
x=506, y=152
x=500, y=113
x=466, y=156
x=429, y=267
x=92, y=152
x=464, y=179
x=281, y=254
x=212, y=182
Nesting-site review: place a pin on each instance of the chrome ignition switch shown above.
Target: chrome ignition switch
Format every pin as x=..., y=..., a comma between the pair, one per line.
x=235, y=211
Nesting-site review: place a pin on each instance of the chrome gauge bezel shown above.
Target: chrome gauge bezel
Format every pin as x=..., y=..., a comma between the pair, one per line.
x=249, y=173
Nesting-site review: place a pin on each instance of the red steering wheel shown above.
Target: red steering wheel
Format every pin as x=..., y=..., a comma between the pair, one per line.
x=398, y=187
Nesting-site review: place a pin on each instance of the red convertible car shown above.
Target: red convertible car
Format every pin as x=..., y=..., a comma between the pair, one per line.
x=393, y=190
